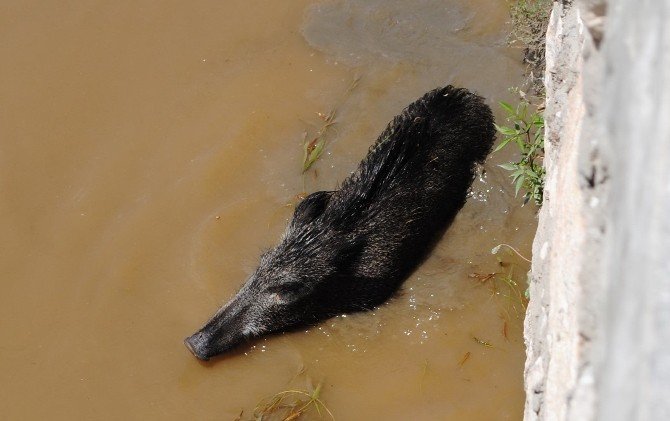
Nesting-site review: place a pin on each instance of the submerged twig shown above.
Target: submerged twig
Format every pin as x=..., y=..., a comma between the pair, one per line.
x=465, y=358
x=482, y=342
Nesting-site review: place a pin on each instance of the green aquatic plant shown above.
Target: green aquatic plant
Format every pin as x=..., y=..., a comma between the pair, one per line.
x=512, y=284
x=526, y=132
x=313, y=145
x=290, y=405
x=504, y=284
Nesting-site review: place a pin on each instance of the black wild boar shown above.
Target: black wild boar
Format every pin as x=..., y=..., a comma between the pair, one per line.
x=350, y=249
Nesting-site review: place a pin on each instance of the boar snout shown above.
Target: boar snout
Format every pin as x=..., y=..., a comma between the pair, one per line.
x=197, y=344
x=205, y=345
x=226, y=330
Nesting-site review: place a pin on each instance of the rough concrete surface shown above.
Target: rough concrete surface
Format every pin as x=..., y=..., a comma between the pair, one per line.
x=599, y=316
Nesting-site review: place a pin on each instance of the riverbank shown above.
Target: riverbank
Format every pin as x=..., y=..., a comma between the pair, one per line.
x=597, y=320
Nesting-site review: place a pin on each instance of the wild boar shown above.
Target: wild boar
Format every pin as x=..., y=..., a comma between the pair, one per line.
x=350, y=249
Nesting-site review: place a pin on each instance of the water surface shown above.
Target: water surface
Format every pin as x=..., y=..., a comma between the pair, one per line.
x=150, y=151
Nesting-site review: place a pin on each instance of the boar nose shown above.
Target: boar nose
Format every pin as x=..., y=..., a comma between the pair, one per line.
x=197, y=344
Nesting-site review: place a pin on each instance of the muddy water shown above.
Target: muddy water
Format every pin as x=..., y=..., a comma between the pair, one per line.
x=149, y=151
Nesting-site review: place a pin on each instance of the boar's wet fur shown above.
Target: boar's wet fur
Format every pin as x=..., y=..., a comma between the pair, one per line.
x=350, y=249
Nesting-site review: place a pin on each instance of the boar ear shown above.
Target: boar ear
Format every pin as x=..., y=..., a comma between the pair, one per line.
x=311, y=207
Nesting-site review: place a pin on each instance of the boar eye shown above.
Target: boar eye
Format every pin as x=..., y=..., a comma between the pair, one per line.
x=286, y=288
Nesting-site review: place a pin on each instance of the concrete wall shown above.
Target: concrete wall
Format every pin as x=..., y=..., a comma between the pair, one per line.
x=598, y=324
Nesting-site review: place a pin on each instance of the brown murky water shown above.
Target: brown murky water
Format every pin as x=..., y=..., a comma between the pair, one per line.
x=150, y=150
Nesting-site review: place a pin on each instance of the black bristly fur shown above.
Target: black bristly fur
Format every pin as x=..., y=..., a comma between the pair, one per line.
x=350, y=249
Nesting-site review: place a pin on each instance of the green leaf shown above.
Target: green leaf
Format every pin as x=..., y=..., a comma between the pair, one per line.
x=516, y=173
x=508, y=167
x=523, y=111
x=505, y=106
x=507, y=131
x=313, y=150
x=502, y=144
x=517, y=186
x=521, y=144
